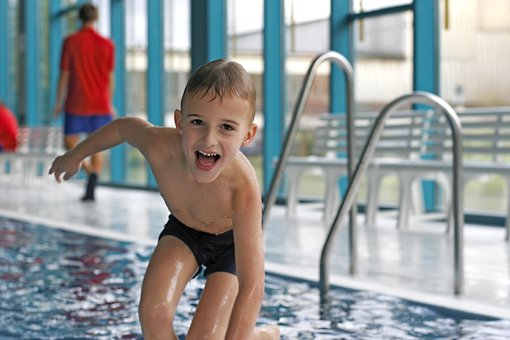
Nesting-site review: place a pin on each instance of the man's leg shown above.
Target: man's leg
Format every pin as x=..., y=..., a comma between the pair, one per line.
x=93, y=169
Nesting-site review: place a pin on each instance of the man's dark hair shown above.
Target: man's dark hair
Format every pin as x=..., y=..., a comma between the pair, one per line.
x=87, y=13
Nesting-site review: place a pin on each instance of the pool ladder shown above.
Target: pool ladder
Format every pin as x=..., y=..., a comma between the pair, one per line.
x=355, y=173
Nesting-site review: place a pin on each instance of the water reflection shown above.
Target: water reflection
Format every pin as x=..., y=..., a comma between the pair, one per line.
x=58, y=284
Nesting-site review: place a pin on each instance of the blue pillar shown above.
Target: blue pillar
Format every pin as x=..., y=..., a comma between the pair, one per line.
x=55, y=49
x=32, y=78
x=156, y=70
x=117, y=29
x=340, y=33
x=426, y=46
x=273, y=85
x=426, y=65
x=208, y=31
x=5, y=64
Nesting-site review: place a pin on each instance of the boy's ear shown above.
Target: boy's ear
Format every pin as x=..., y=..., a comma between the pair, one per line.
x=248, y=138
x=178, y=119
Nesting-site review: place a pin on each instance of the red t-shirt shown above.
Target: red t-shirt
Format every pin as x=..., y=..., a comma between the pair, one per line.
x=8, y=129
x=89, y=58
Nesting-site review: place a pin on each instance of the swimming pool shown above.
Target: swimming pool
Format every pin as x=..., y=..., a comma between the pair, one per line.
x=65, y=285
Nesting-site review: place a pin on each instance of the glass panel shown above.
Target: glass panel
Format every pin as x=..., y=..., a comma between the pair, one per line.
x=136, y=82
x=383, y=67
x=103, y=22
x=372, y=5
x=474, y=62
x=103, y=28
x=475, y=54
x=245, y=39
x=307, y=35
x=383, y=70
x=45, y=103
x=177, y=42
x=15, y=73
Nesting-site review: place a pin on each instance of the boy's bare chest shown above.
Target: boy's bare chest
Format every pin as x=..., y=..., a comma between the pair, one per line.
x=204, y=207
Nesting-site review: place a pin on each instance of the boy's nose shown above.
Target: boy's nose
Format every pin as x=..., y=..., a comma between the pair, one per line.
x=210, y=137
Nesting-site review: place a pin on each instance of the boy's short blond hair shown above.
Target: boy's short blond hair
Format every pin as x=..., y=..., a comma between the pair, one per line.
x=224, y=79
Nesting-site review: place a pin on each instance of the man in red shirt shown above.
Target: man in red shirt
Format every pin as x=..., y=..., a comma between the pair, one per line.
x=86, y=83
x=8, y=129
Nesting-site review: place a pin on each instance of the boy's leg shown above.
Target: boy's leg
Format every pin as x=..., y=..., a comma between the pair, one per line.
x=216, y=302
x=213, y=312
x=171, y=266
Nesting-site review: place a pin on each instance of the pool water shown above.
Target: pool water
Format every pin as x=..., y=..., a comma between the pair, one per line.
x=56, y=284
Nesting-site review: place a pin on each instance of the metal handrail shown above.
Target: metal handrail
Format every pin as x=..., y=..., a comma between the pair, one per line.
x=349, y=198
x=270, y=198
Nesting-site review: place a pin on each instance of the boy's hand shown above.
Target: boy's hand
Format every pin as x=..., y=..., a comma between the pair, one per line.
x=64, y=165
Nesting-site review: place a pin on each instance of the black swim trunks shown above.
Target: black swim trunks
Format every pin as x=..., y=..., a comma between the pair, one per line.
x=215, y=252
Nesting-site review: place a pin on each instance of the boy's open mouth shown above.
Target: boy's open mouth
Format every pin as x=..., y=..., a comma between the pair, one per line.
x=205, y=160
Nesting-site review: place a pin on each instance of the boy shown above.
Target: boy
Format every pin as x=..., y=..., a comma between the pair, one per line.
x=212, y=193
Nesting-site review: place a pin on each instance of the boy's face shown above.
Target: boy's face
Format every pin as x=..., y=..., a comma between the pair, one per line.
x=213, y=132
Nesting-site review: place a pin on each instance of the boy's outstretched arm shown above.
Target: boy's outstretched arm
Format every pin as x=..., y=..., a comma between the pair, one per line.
x=117, y=132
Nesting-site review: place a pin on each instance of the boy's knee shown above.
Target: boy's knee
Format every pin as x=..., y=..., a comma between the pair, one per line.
x=155, y=316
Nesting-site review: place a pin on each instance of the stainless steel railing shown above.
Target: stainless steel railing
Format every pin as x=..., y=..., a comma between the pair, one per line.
x=457, y=197
x=270, y=198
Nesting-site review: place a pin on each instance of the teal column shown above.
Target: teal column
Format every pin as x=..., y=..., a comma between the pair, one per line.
x=5, y=64
x=32, y=78
x=340, y=33
x=426, y=46
x=55, y=49
x=340, y=40
x=117, y=29
x=156, y=70
x=426, y=66
x=274, y=93
x=208, y=31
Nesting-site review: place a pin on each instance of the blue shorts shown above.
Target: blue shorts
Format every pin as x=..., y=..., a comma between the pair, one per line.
x=215, y=252
x=76, y=124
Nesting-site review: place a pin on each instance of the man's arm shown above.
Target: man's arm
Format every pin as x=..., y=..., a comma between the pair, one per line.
x=63, y=83
x=249, y=251
x=128, y=129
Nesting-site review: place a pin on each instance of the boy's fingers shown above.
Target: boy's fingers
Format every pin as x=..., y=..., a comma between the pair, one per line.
x=57, y=176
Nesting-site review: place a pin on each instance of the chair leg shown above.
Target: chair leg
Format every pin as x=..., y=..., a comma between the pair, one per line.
x=405, y=195
x=507, y=220
x=332, y=195
x=374, y=185
x=445, y=182
x=292, y=191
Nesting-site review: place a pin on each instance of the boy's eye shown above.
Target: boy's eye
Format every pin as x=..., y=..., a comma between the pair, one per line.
x=197, y=122
x=227, y=127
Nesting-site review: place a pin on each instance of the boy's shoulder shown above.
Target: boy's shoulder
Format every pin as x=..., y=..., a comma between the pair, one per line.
x=159, y=136
x=161, y=131
x=242, y=172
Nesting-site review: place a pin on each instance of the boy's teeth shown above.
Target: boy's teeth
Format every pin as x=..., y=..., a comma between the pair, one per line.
x=207, y=154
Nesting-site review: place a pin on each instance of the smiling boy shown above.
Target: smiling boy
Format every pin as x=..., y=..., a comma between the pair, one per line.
x=212, y=193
